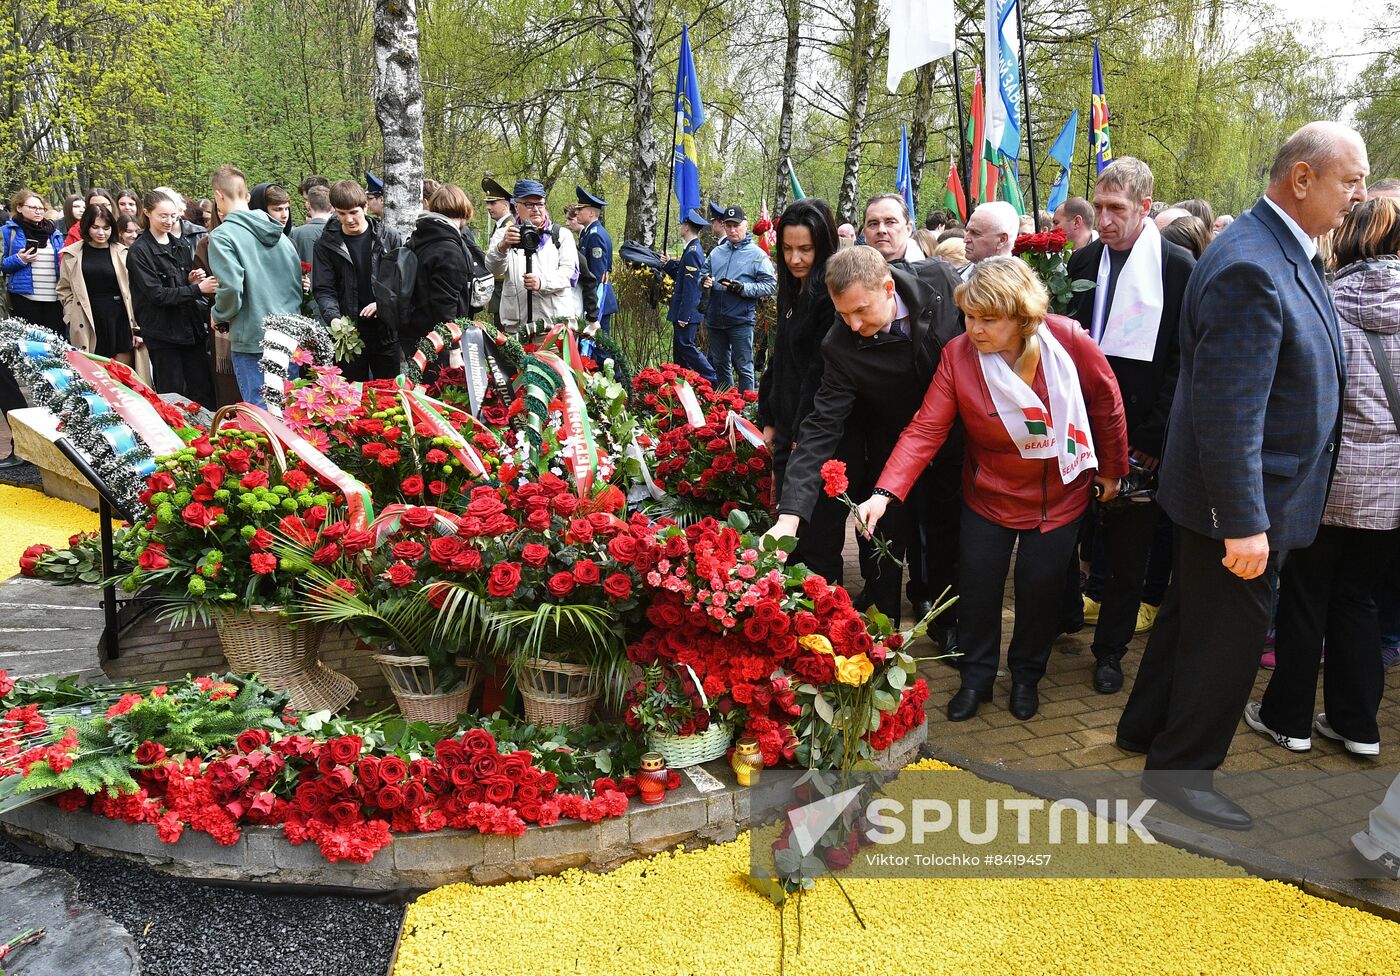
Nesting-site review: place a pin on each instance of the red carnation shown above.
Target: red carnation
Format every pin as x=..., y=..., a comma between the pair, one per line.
x=834, y=478
x=263, y=563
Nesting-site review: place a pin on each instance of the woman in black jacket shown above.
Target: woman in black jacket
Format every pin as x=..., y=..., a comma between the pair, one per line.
x=806, y=239
x=171, y=301
x=448, y=265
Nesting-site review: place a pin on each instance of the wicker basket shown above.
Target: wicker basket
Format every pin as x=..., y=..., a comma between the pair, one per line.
x=259, y=641
x=681, y=751
x=556, y=693
x=414, y=685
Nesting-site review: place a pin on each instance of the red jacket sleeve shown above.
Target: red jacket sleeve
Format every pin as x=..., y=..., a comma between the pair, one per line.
x=1104, y=403
x=925, y=433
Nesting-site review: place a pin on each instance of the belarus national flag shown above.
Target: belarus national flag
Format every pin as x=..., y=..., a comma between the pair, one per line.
x=1036, y=421
x=1076, y=440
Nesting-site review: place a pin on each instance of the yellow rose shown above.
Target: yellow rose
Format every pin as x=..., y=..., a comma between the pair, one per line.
x=818, y=643
x=854, y=670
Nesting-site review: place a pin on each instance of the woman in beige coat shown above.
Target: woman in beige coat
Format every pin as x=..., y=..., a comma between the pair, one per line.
x=95, y=293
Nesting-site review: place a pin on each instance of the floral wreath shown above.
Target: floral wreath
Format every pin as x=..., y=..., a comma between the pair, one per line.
x=285, y=339
x=120, y=458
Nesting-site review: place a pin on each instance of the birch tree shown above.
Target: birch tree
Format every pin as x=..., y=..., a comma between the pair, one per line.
x=398, y=103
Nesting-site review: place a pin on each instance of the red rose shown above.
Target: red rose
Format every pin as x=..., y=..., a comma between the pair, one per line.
x=479, y=740
x=505, y=577
x=418, y=517
x=467, y=561
x=400, y=574
x=564, y=505
x=538, y=519
x=149, y=753
x=326, y=555
x=198, y=517
x=263, y=563
x=618, y=586
x=388, y=798
x=623, y=548
x=252, y=740
x=408, y=550
x=444, y=548
x=357, y=540
x=297, y=530
x=834, y=480
x=152, y=558
x=560, y=584
x=586, y=572
x=345, y=749
x=580, y=530
x=534, y=555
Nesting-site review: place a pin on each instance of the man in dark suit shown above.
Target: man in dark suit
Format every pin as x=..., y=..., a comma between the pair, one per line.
x=1146, y=368
x=876, y=371
x=1250, y=449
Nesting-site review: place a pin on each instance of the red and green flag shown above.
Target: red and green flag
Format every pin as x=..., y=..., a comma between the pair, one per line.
x=1036, y=421
x=976, y=136
x=954, y=199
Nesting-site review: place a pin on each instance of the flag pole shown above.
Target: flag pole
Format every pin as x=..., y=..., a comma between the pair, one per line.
x=1089, y=167
x=1026, y=99
x=671, y=182
x=957, y=100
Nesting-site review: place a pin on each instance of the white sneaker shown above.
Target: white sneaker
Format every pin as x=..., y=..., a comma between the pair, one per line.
x=1324, y=728
x=1251, y=718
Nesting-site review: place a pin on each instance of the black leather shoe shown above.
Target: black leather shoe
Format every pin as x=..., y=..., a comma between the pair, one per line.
x=1207, y=806
x=1128, y=745
x=863, y=600
x=1025, y=702
x=922, y=608
x=1108, y=676
x=963, y=705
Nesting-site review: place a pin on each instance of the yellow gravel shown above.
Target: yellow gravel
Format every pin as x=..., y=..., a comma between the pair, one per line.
x=692, y=913
x=28, y=516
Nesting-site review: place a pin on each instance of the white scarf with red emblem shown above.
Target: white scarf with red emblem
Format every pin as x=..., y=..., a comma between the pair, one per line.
x=1059, y=430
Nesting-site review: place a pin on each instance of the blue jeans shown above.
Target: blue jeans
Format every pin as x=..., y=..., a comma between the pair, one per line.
x=685, y=353
x=250, y=376
x=732, y=345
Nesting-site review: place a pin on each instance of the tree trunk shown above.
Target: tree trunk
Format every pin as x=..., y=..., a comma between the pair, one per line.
x=918, y=135
x=792, y=13
x=641, y=176
x=398, y=103
x=862, y=54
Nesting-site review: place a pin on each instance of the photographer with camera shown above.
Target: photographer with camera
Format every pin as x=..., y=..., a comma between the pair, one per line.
x=1131, y=312
x=538, y=263
x=738, y=274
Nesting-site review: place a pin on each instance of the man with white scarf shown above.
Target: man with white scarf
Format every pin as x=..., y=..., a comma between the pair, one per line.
x=1132, y=312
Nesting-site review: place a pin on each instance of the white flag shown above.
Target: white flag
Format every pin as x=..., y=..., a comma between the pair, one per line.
x=920, y=31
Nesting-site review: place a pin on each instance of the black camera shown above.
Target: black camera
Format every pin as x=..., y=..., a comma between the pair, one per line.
x=1137, y=487
x=529, y=238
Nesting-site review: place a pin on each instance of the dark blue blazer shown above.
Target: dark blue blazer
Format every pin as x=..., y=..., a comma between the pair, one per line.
x=685, y=290
x=595, y=248
x=1257, y=414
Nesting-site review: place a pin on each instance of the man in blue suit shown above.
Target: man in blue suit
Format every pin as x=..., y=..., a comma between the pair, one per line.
x=595, y=257
x=1250, y=447
x=687, y=297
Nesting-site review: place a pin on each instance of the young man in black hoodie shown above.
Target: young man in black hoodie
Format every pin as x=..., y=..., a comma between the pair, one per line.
x=344, y=263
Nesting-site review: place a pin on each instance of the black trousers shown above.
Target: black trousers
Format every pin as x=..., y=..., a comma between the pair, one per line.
x=1326, y=593
x=186, y=370
x=1039, y=586
x=1199, y=666
x=935, y=506
x=823, y=539
x=375, y=363
x=1125, y=532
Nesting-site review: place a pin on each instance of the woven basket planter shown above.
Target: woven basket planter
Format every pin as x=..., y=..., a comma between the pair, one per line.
x=681, y=751
x=414, y=685
x=259, y=641
x=556, y=693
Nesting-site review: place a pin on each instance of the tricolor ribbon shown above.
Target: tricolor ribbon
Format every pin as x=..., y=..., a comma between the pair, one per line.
x=685, y=393
x=581, y=447
x=358, y=499
x=129, y=405
x=431, y=419
x=737, y=425
x=439, y=342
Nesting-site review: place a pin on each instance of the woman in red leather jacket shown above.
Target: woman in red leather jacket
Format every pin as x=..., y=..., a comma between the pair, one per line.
x=1044, y=423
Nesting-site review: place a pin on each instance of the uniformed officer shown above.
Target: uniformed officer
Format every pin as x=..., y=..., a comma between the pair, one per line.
x=595, y=251
x=715, y=213
x=374, y=191
x=498, y=208
x=687, y=297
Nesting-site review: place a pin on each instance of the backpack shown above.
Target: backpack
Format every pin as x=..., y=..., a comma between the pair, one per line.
x=393, y=288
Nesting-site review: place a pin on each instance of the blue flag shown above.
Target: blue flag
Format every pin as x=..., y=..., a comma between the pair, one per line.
x=902, y=183
x=690, y=116
x=1003, y=117
x=1062, y=152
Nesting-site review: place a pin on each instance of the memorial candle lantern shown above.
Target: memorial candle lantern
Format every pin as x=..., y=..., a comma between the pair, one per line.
x=651, y=779
x=746, y=761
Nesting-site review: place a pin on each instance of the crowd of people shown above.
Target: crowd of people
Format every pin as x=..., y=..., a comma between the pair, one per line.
x=1202, y=446
x=179, y=288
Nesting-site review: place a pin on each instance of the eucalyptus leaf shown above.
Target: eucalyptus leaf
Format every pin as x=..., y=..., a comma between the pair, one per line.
x=822, y=704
